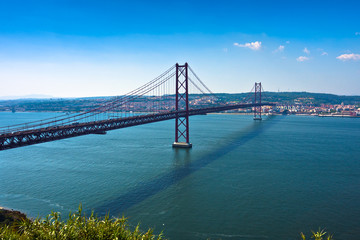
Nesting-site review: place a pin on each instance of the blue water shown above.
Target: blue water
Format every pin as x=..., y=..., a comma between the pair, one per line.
x=241, y=180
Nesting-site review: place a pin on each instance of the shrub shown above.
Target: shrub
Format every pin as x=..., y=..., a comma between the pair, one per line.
x=77, y=226
x=318, y=235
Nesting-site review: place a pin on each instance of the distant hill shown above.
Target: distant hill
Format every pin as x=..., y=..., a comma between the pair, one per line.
x=32, y=96
x=83, y=104
x=295, y=97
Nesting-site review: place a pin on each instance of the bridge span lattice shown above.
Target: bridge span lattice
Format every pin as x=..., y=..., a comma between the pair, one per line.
x=178, y=93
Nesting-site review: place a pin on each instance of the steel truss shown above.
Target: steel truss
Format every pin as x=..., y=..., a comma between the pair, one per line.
x=41, y=135
x=257, y=109
x=182, y=103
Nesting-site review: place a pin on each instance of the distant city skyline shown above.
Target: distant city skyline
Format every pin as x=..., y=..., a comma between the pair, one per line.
x=106, y=48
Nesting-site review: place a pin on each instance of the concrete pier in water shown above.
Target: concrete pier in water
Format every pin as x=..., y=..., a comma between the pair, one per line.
x=181, y=145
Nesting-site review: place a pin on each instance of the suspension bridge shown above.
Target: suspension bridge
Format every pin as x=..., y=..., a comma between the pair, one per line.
x=178, y=93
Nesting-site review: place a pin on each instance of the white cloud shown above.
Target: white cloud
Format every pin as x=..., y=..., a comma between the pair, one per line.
x=351, y=56
x=252, y=45
x=279, y=49
x=323, y=53
x=302, y=59
x=306, y=51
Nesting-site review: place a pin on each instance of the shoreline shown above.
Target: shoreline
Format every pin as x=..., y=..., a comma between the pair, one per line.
x=9, y=216
x=7, y=209
x=278, y=114
x=220, y=113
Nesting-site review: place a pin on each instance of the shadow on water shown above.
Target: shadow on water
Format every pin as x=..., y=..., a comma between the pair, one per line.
x=147, y=189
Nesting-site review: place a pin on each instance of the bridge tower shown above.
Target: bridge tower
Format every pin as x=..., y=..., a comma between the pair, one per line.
x=257, y=109
x=182, y=104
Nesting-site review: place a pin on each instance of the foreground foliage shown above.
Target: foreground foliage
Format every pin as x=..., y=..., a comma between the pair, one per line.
x=318, y=235
x=77, y=226
x=15, y=225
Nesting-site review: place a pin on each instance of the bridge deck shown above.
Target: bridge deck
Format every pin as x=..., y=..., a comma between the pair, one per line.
x=40, y=135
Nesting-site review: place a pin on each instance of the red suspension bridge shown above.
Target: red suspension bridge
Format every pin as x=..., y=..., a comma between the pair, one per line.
x=178, y=93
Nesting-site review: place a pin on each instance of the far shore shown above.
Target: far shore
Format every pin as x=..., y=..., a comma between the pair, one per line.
x=298, y=114
x=219, y=113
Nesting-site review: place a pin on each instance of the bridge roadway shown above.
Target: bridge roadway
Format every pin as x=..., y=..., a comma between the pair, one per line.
x=41, y=135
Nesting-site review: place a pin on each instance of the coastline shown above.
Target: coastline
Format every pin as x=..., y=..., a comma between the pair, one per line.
x=278, y=114
x=10, y=216
x=8, y=209
x=220, y=113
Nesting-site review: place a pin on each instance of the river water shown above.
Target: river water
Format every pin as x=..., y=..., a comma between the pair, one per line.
x=241, y=180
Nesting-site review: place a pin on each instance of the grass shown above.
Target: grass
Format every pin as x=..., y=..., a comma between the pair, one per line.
x=319, y=235
x=77, y=226
x=15, y=225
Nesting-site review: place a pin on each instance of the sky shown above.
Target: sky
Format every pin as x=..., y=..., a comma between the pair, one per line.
x=105, y=48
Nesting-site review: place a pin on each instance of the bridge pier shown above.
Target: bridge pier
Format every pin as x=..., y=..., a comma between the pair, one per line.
x=181, y=145
x=182, y=103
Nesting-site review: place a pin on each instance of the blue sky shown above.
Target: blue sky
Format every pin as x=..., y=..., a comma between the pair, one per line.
x=103, y=48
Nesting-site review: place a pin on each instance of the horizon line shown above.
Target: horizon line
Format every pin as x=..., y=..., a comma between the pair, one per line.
x=43, y=96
